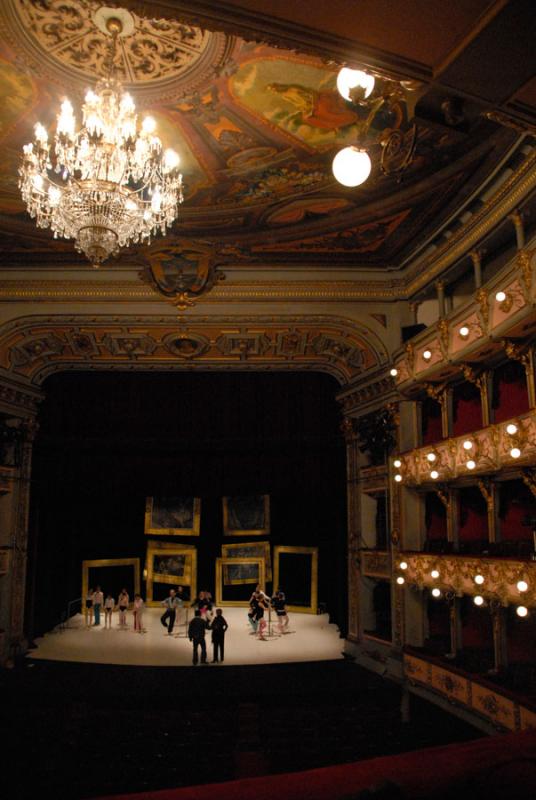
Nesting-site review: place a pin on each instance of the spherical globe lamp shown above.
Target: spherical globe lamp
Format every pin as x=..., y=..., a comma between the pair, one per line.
x=348, y=79
x=351, y=166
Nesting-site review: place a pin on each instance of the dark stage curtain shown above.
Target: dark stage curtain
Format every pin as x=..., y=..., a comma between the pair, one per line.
x=106, y=441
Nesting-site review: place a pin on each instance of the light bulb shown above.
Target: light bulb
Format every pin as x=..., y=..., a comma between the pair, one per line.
x=398, y=478
x=511, y=429
x=54, y=195
x=91, y=97
x=393, y=372
x=500, y=297
x=351, y=166
x=171, y=159
x=522, y=611
x=148, y=125
x=41, y=134
x=434, y=474
x=478, y=600
x=431, y=457
x=471, y=464
x=464, y=331
x=397, y=463
x=467, y=445
x=127, y=104
x=479, y=579
x=435, y=573
x=522, y=586
x=403, y=565
x=427, y=355
x=400, y=580
x=130, y=205
x=66, y=121
x=515, y=452
x=348, y=79
x=436, y=592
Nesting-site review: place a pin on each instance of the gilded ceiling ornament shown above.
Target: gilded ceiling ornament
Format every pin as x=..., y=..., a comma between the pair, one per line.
x=182, y=272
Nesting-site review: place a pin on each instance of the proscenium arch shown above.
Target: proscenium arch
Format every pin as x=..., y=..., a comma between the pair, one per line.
x=34, y=347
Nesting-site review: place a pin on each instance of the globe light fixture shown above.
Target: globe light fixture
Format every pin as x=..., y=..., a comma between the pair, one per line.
x=349, y=79
x=522, y=611
x=522, y=586
x=478, y=600
x=511, y=429
x=434, y=474
x=108, y=183
x=427, y=355
x=471, y=464
x=436, y=592
x=467, y=445
x=393, y=372
x=435, y=574
x=400, y=580
x=500, y=297
x=464, y=331
x=397, y=463
x=403, y=565
x=398, y=478
x=479, y=579
x=351, y=166
x=515, y=452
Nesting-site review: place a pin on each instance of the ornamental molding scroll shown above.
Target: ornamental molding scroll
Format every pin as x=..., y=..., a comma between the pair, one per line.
x=490, y=451
x=65, y=40
x=33, y=347
x=456, y=575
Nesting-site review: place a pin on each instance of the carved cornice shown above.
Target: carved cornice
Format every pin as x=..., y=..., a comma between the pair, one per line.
x=34, y=347
x=373, y=391
x=457, y=573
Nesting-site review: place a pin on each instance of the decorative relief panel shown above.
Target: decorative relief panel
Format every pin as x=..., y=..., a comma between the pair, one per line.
x=457, y=573
x=491, y=450
x=502, y=712
x=376, y=564
x=35, y=347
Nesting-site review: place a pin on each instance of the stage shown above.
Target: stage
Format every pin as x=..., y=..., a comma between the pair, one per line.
x=310, y=638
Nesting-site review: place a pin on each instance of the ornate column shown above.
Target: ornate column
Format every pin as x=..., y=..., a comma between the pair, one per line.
x=482, y=380
x=488, y=490
x=18, y=406
x=352, y=495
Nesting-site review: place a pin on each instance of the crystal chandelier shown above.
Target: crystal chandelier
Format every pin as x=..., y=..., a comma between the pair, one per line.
x=108, y=184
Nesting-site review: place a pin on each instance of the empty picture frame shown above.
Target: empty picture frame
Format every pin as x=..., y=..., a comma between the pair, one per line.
x=172, y=516
x=296, y=574
x=246, y=515
x=238, y=571
x=174, y=566
x=250, y=550
x=110, y=562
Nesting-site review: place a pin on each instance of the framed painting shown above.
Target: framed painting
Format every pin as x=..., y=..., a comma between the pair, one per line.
x=241, y=575
x=111, y=574
x=172, y=516
x=296, y=574
x=250, y=550
x=246, y=515
x=170, y=566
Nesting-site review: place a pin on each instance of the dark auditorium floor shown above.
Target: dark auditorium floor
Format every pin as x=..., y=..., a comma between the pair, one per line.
x=81, y=730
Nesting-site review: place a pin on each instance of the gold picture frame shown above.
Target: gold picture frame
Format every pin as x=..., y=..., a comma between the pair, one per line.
x=313, y=552
x=166, y=550
x=222, y=563
x=110, y=562
x=250, y=550
x=156, y=516
x=248, y=507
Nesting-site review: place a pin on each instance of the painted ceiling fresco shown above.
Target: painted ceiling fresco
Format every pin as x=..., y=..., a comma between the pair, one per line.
x=256, y=127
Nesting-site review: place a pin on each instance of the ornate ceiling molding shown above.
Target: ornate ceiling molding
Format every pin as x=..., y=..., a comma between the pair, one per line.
x=33, y=347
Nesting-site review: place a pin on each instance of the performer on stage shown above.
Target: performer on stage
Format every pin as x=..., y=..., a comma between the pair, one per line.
x=89, y=608
x=98, y=600
x=219, y=626
x=123, y=602
x=109, y=605
x=196, y=634
x=168, y=617
x=252, y=613
x=138, y=613
x=279, y=604
x=262, y=606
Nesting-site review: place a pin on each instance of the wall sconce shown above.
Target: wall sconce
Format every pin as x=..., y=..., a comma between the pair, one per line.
x=507, y=299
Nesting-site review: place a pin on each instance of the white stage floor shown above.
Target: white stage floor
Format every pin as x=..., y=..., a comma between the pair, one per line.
x=311, y=638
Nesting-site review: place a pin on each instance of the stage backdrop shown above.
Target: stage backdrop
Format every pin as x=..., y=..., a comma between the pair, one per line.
x=108, y=441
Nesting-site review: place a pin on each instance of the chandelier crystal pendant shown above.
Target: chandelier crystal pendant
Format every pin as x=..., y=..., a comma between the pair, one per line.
x=108, y=184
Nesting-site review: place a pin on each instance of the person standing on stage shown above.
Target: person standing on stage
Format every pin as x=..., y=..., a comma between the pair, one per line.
x=196, y=634
x=168, y=617
x=123, y=602
x=279, y=604
x=218, y=627
x=138, y=613
x=109, y=605
x=252, y=613
x=98, y=600
x=89, y=608
x=262, y=606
